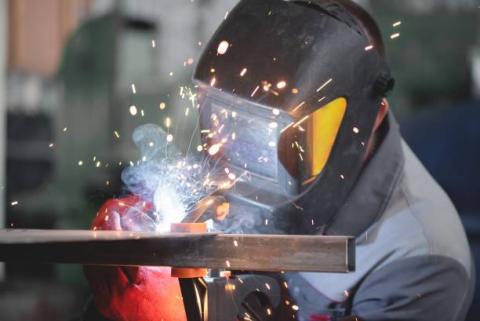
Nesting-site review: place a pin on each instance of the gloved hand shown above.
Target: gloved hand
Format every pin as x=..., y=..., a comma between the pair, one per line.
x=133, y=293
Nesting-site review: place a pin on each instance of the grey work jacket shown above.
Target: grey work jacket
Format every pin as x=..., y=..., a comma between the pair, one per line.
x=412, y=256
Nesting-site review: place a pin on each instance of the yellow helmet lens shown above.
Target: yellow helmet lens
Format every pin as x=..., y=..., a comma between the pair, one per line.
x=322, y=130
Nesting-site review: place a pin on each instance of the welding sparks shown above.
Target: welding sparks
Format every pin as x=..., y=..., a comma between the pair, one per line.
x=171, y=181
x=273, y=125
x=230, y=287
x=223, y=47
x=298, y=106
x=356, y=130
x=213, y=81
x=50, y=145
x=281, y=84
x=324, y=85
x=116, y=134
x=133, y=110
x=214, y=149
x=301, y=121
x=134, y=89
x=189, y=94
x=368, y=48
x=321, y=99
x=266, y=86
x=80, y=163
x=14, y=203
x=269, y=311
x=287, y=127
x=396, y=24
x=395, y=35
x=153, y=44
x=243, y=72
x=255, y=91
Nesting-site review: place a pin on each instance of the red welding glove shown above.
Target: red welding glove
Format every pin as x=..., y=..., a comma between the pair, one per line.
x=133, y=293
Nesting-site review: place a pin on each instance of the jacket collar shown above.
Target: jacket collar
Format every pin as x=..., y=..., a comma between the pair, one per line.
x=370, y=195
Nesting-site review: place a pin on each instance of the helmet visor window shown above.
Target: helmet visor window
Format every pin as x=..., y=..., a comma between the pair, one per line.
x=267, y=144
x=242, y=140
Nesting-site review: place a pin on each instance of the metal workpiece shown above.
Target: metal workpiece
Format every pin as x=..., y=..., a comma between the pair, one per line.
x=271, y=253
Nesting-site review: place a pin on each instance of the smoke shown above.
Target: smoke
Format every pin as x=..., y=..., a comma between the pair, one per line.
x=173, y=183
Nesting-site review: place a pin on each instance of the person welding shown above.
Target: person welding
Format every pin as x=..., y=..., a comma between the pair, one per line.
x=292, y=103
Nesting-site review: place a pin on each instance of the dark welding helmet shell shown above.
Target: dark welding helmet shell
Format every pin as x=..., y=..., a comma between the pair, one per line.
x=297, y=57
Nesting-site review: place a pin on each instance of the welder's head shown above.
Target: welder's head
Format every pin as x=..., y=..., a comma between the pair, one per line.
x=289, y=94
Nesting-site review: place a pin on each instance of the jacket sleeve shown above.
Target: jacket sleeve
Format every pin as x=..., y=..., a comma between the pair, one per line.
x=422, y=288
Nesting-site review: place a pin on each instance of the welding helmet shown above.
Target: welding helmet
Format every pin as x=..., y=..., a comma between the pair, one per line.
x=288, y=94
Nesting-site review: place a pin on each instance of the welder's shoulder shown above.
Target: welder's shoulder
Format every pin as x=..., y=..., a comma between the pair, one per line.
x=420, y=220
x=422, y=268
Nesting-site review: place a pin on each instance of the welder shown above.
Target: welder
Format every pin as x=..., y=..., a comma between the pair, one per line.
x=293, y=104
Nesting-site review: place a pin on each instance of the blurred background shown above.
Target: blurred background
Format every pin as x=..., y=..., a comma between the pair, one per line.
x=77, y=76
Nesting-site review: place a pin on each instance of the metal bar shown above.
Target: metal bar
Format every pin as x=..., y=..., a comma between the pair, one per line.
x=210, y=250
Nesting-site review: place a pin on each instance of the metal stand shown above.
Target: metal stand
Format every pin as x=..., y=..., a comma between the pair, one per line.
x=249, y=297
